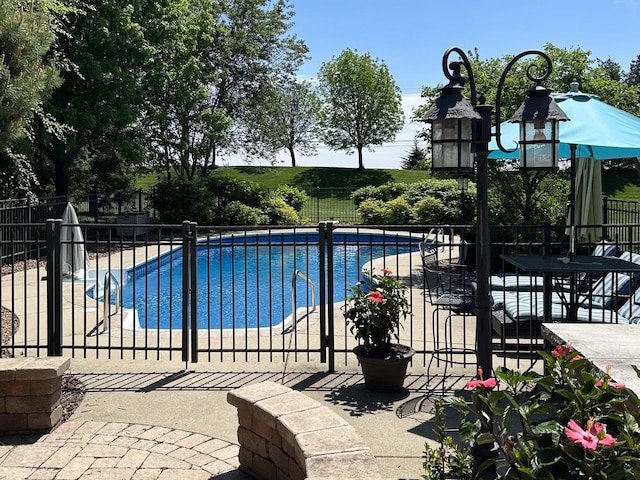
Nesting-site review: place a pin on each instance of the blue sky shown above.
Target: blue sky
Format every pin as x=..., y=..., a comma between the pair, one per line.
x=411, y=36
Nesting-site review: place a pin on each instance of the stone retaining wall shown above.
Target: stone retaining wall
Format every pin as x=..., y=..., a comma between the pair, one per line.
x=284, y=434
x=30, y=391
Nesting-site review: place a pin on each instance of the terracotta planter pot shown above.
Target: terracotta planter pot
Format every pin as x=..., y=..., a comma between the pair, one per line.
x=383, y=374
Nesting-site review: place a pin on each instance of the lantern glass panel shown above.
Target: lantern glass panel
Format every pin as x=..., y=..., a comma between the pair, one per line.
x=452, y=140
x=538, y=145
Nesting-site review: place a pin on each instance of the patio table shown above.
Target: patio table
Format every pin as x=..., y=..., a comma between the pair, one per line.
x=552, y=266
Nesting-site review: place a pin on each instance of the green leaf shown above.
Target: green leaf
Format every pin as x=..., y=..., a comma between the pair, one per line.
x=545, y=427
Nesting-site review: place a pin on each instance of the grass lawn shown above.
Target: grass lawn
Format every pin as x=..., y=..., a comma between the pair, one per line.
x=313, y=178
x=621, y=184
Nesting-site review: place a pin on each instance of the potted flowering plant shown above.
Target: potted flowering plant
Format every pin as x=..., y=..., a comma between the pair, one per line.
x=374, y=310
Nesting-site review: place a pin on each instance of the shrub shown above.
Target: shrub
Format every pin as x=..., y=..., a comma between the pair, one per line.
x=237, y=213
x=292, y=196
x=428, y=211
x=398, y=212
x=372, y=212
x=385, y=192
x=434, y=201
x=227, y=190
x=179, y=199
x=279, y=213
x=572, y=422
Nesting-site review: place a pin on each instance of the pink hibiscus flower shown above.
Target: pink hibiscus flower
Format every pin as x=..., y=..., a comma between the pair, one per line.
x=610, y=382
x=565, y=350
x=386, y=271
x=489, y=383
x=589, y=438
x=376, y=297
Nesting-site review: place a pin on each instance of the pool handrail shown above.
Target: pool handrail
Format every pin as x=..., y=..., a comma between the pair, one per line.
x=294, y=291
x=106, y=296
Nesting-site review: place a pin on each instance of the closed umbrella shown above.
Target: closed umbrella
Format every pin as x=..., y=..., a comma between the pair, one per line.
x=596, y=131
x=587, y=197
x=73, y=256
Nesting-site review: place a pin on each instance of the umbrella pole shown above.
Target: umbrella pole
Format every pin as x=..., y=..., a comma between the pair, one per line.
x=572, y=213
x=572, y=232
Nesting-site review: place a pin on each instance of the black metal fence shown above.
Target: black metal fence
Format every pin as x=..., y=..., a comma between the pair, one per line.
x=198, y=293
x=324, y=204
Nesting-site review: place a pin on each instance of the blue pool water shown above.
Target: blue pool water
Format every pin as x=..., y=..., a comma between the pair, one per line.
x=246, y=281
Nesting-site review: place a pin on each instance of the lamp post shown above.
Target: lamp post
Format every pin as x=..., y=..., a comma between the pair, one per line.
x=460, y=134
x=461, y=131
x=463, y=186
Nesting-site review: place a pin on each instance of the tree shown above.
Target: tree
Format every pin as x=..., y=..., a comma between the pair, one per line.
x=27, y=77
x=633, y=76
x=611, y=69
x=91, y=116
x=212, y=67
x=362, y=105
x=417, y=158
x=288, y=118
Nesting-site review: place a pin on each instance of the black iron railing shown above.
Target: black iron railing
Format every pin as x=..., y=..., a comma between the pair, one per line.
x=195, y=293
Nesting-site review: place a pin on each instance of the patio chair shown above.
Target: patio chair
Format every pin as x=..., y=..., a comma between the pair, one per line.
x=609, y=292
x=451, y=296
x=629, y=312
x=435, y=253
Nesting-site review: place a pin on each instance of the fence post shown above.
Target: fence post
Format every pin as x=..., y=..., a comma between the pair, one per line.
x=193, y=294
x=186, y=283
x=330, y=297
x=54, y=288
x=546, y=250
x=322, y=294
x=546, y=240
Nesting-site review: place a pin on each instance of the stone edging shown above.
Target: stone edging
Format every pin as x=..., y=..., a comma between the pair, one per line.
x=285, y=434
x=31, y=392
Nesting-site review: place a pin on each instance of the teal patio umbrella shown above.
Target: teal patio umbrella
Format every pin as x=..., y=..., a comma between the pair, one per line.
x=596, y=131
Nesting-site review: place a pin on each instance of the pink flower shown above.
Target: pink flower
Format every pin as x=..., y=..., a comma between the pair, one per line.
x=609, y=382
x=565, y=350
x=590, y=438
x=386, y=271
x=489, y=383
x=376, y=297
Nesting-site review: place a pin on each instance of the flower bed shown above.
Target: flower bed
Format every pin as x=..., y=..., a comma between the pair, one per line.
x=573, y=421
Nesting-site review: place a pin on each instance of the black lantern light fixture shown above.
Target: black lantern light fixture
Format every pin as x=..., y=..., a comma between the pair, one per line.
x=461, y=131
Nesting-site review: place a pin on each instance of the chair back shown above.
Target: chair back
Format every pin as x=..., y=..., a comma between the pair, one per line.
x=612, y=290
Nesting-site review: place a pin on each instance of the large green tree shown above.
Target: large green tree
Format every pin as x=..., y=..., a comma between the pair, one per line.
x=212, y=66
x=362, y=105
x=90, y=119
x=288, y=119
x=27, y=76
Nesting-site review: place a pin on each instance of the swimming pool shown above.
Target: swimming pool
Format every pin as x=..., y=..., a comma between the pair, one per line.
x=245, y=281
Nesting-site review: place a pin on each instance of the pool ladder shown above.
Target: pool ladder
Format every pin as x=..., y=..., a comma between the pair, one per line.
x=106, y=295
x=294, y=298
